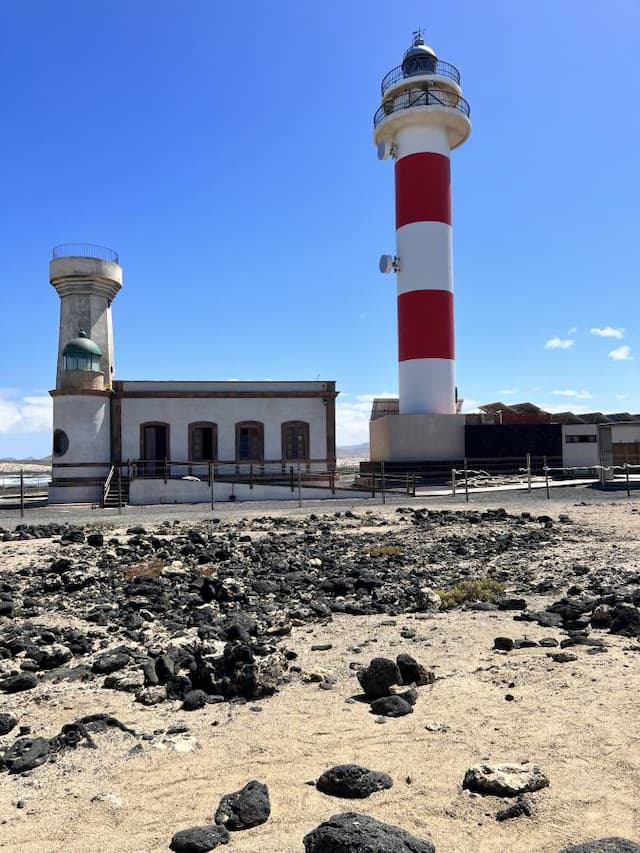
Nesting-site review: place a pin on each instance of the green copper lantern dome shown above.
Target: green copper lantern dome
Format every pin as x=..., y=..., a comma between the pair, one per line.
x=82, y=346
x=81, y=354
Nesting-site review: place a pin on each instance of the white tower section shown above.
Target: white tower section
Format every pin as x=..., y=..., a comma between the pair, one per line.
x=423, y=117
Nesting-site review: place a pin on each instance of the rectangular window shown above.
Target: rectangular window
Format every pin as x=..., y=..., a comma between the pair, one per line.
x=581, y=439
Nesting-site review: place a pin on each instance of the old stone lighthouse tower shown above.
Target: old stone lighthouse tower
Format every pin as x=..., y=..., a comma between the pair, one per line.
x=86, y=278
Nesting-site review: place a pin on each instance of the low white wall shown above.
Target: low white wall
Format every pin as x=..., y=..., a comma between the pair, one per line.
x=417, y=438
x=152, y=491
x=75, y=494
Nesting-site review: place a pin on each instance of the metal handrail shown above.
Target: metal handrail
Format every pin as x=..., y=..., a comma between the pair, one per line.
x=419, y=66
x=425, y=98
x=85, y=250
x=107, y=483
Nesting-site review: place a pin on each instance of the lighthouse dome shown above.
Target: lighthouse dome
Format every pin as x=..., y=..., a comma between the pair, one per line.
x=82, y=353
x=420, y=58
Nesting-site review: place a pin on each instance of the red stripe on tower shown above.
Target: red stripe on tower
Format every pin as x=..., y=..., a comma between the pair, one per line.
x=423, y=189
x=425, y=324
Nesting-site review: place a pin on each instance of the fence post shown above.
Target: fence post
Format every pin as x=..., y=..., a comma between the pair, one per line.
x=626, y=472
x=211, y=483
x=413, y=485
x=291, y=477
x=382, y=483
x=332, y=479
x=373, y=480
x=546, y=476
x=466, y=481
x=529, y=472
x=453, y=482
x=299, y=486
x=119, y=491
x=251, y=475
x=21, y=493
x=166, y=467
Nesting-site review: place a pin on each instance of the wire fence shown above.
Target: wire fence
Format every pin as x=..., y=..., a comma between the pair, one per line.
x=311, y=479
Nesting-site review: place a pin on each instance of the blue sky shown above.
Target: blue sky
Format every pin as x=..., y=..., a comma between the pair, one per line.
x=225, y=151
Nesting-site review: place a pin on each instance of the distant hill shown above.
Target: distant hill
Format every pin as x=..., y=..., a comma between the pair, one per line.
x=46, y=460
x=353, y=450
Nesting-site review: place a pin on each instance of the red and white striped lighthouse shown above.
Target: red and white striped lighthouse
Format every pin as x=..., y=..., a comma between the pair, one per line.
x=423, y=116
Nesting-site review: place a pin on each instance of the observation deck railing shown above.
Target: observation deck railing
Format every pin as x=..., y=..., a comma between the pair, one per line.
x=85, y=250
x=432, y=97
x=420, y=65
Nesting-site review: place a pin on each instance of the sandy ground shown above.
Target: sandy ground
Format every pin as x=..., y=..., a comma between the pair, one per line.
x=578, y=721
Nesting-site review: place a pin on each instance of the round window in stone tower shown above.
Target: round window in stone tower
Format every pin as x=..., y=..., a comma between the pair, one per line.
x=60, y=442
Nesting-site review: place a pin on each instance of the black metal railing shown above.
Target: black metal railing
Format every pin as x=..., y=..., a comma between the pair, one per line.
x=420, y=65
x=85, y=250
x=431, y=97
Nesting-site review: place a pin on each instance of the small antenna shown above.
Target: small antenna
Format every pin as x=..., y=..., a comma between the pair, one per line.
x=418, y=36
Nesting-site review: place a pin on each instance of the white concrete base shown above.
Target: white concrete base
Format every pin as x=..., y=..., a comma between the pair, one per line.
x=152, y=491
x=75, y=494
x=417, y=438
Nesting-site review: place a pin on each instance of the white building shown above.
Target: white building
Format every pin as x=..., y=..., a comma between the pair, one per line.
x=155, y=442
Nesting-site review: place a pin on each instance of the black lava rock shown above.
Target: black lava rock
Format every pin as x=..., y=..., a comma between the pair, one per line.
x=413, y=672
x=604, y=845
x=17, y=683
x=245, y=808
x=7, y=722
x=352, y=781
x=517, y=809
x=358, y=833
x=503, y=644
x=199, y=839
x=194, y=699
x=25, y=753
x=96, y=540
x=378, y=677
x=110, y=662
x=391, y=706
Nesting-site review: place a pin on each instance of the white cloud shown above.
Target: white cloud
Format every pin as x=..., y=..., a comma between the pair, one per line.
x=25, y=414
x=508, y=392
x=621, y=396
x=569, y=392
x=559, y=343
x=352, y=418
x=608, y=332
x=576, y=408
x=622, y=353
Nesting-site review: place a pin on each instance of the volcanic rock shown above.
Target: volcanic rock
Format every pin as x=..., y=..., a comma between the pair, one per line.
x=245, y=808
x=194, y=699
x=517, y=809
x=25, y=753
x=7, y=722
x=378, y=677
x=17, y=683
x=352, y=781
x=504, y=780
x=199, y=839
x=358, y=833
x=391, y=706
x=604, y=845
x=413, y=672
